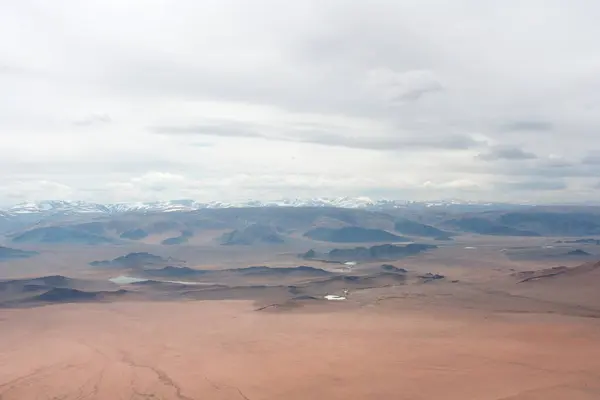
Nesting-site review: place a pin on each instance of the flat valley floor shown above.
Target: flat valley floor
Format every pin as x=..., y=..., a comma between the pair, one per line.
x=226, y=350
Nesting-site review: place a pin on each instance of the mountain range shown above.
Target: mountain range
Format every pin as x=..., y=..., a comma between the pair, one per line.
x=66, y=207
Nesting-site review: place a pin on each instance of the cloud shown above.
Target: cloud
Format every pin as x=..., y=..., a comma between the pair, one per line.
x=93, y=119
x=399, y=87
x=464, y=184
x=323, y=136
x=10, y=69
x=506, y=153
x=330, y=98
x=531, y=125
x=35, y=190
x=532, y=185
x=592, y=158
x=226, y=130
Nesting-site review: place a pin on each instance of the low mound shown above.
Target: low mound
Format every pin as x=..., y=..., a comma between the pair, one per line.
x=181, y=239
x=174, y=272
x=382, y=252
x=428, y=277
x=7, y=253
x=554, y=272
x=52, y=289
x=253, y=234
x=578, y=253
x=301, y=270
x=341, y=282
x=51, y=282
x=392, y=268
x=409, y=227
x=178, y=272
x=353, y=234
x=580, y=241
x=61, y=235
x=484, y=226
x=132, y=260
x=134, y=234
x=65, y=295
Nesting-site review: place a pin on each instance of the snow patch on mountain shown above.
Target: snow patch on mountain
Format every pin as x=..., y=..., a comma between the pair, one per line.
x=65, y=207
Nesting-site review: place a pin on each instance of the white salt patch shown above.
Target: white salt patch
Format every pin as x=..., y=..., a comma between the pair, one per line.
x=187, y=282
x=125, y=280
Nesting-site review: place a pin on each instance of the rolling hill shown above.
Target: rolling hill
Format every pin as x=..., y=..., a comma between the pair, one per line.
x=353, y=234
x=61, y=235
x=253, y=234
x=7, y=253
x=410, y=227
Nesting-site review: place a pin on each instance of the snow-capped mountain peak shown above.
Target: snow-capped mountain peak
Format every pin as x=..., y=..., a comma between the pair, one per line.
x=67, y=207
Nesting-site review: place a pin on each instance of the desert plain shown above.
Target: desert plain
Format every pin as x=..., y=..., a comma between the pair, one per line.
x=476, y=317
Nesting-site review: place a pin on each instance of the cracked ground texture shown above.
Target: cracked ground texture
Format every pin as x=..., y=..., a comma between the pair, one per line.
x=225, y=350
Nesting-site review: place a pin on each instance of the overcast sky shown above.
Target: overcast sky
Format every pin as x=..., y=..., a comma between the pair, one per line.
x=135, y=100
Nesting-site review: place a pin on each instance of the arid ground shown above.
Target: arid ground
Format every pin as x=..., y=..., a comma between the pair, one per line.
x=245, y=316
x=226, y=350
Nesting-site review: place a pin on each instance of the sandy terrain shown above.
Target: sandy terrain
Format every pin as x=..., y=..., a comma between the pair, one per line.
x=225, y=350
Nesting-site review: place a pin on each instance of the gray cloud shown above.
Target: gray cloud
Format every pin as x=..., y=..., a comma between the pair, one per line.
x=223, y=130
x=93, y=119
x=592, y=158
x=532, y=125
x=538, y=169
x=322, y=137
x=532, y=185
x=506, y=153
x=346, y=93
x=10, y=69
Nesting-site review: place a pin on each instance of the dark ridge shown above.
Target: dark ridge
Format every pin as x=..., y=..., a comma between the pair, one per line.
x=409, y=227
x=555, y=223
x=7, y=253
x=252, y=234
x=309, y=254
x=484, y=226
x=134, y=234
x=132, y=260
x=44, y=281
x=578, y=252
x=582, y=269
x=254, y=270
x=443, y=238
x=170, y=271
x=428, y=277
x=580, y=241
x=374, y=280
x=52, y=280
x=183, y=238
x=353, y=234
x=392, y=268
x=382, y=252
x=279, y=270
x=66, y=295
x=60, y=235
x=104, y=263
x=305, y=297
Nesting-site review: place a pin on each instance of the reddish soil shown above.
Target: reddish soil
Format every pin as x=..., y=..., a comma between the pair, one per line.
x=225, y=350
